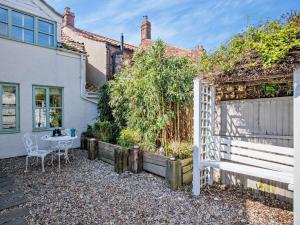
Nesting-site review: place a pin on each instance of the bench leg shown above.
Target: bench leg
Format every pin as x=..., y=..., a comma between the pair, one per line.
x=210, y=176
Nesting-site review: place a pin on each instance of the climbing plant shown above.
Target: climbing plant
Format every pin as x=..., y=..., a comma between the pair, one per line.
x=153, y=94
x=269, y=42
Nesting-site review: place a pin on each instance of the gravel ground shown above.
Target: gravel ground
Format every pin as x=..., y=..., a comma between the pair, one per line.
x=89, y=192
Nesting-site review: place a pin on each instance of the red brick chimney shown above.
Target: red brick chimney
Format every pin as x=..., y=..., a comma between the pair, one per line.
x=69, y=18
x=145, y=29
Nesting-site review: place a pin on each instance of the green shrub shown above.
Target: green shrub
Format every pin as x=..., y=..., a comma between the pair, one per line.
x=102, y=130
x=180, y=150
x=128, y=138
x=89, y=131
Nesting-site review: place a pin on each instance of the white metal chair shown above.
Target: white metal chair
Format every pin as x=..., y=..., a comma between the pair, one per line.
x=32, y=149
x=62, y=149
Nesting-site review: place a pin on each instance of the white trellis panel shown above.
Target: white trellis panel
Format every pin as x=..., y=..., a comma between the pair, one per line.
x=204, y=108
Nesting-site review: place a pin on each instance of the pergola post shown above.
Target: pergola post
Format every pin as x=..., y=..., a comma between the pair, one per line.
x=297, y=146
x=197, y=138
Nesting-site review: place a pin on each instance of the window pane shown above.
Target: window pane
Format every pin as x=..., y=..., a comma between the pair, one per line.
x=40, y=118
x=51, y=41
x=43, y=39
x=3, y=15
x=40, y=97
x=9, y=118
x=55, y=118
x=28, y=36
x=55, y=97
x=46, y=27
x=28, y=22
x=9, y=96
x=17, y=33
x=3, y=29
x=17, y=19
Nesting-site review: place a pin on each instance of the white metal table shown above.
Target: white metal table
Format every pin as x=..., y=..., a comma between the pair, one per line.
x=55, y=140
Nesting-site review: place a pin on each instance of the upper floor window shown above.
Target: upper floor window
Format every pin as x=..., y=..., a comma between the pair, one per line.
x=3, y=22
x=9, y=107
x=22, y=27
x=45, y=33
x=27, y=28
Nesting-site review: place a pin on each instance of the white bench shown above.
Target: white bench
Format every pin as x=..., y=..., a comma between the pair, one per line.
x=258, y=160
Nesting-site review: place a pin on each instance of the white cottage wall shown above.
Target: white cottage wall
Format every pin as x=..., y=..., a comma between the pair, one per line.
x=29, y=65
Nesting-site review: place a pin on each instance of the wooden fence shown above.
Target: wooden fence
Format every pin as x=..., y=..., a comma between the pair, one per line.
x=266, y=121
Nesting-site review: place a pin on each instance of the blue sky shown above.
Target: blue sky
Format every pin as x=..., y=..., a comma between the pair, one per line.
x=184, y=23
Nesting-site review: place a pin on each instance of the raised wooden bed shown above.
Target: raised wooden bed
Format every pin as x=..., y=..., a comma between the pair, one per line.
x=176, y=172
x=106, y=152
x=155, y=164
x=187, y=170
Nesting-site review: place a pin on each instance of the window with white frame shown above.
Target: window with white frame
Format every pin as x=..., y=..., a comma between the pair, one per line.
x=9, y=107
x=22, y=27
x=47, y=107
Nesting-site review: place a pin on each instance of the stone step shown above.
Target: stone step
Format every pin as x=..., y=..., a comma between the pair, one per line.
x=14, y=217
x=11, y=200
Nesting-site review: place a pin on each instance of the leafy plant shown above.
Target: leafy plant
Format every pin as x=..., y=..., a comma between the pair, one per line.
x=89, y=131
x=270, y=41
x=103, y=131
x=128, y=138
x=151, y=93
x=180, y=150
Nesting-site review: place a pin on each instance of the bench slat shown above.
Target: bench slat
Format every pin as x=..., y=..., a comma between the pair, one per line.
x=255, y=162
x=250, y=170
x=260, y=155
x=259, y=147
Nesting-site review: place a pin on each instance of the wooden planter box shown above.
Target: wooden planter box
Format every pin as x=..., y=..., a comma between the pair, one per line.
x=155, y=164
x=106, y=152
x=177, y=172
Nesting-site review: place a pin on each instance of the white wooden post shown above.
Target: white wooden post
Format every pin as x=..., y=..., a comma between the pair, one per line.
x=297, y=146
x=197, y=139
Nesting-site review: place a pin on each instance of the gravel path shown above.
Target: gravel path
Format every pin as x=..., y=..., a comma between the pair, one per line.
x=89, y=192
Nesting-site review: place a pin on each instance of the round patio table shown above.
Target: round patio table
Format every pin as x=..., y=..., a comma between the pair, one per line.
x=55, y=140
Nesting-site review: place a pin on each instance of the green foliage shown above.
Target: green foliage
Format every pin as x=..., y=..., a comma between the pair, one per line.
x=270, y=41
x=102, y=130
x=142, y=96
x=269, y=90
x=103, y=105
x=180, y=150
x=128, y=138
x=89, y=132
x=276, y=90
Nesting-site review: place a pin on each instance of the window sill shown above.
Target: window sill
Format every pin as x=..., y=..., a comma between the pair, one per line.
x=10, y=132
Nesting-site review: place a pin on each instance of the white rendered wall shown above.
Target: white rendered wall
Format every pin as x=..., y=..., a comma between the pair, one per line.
x=96, y=59
x=30, y=65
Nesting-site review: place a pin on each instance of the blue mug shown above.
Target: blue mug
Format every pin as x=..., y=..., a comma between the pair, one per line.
x=73, y=132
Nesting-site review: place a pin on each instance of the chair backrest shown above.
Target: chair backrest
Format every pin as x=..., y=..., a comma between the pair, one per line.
x=30, y=143
x=254, y=154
